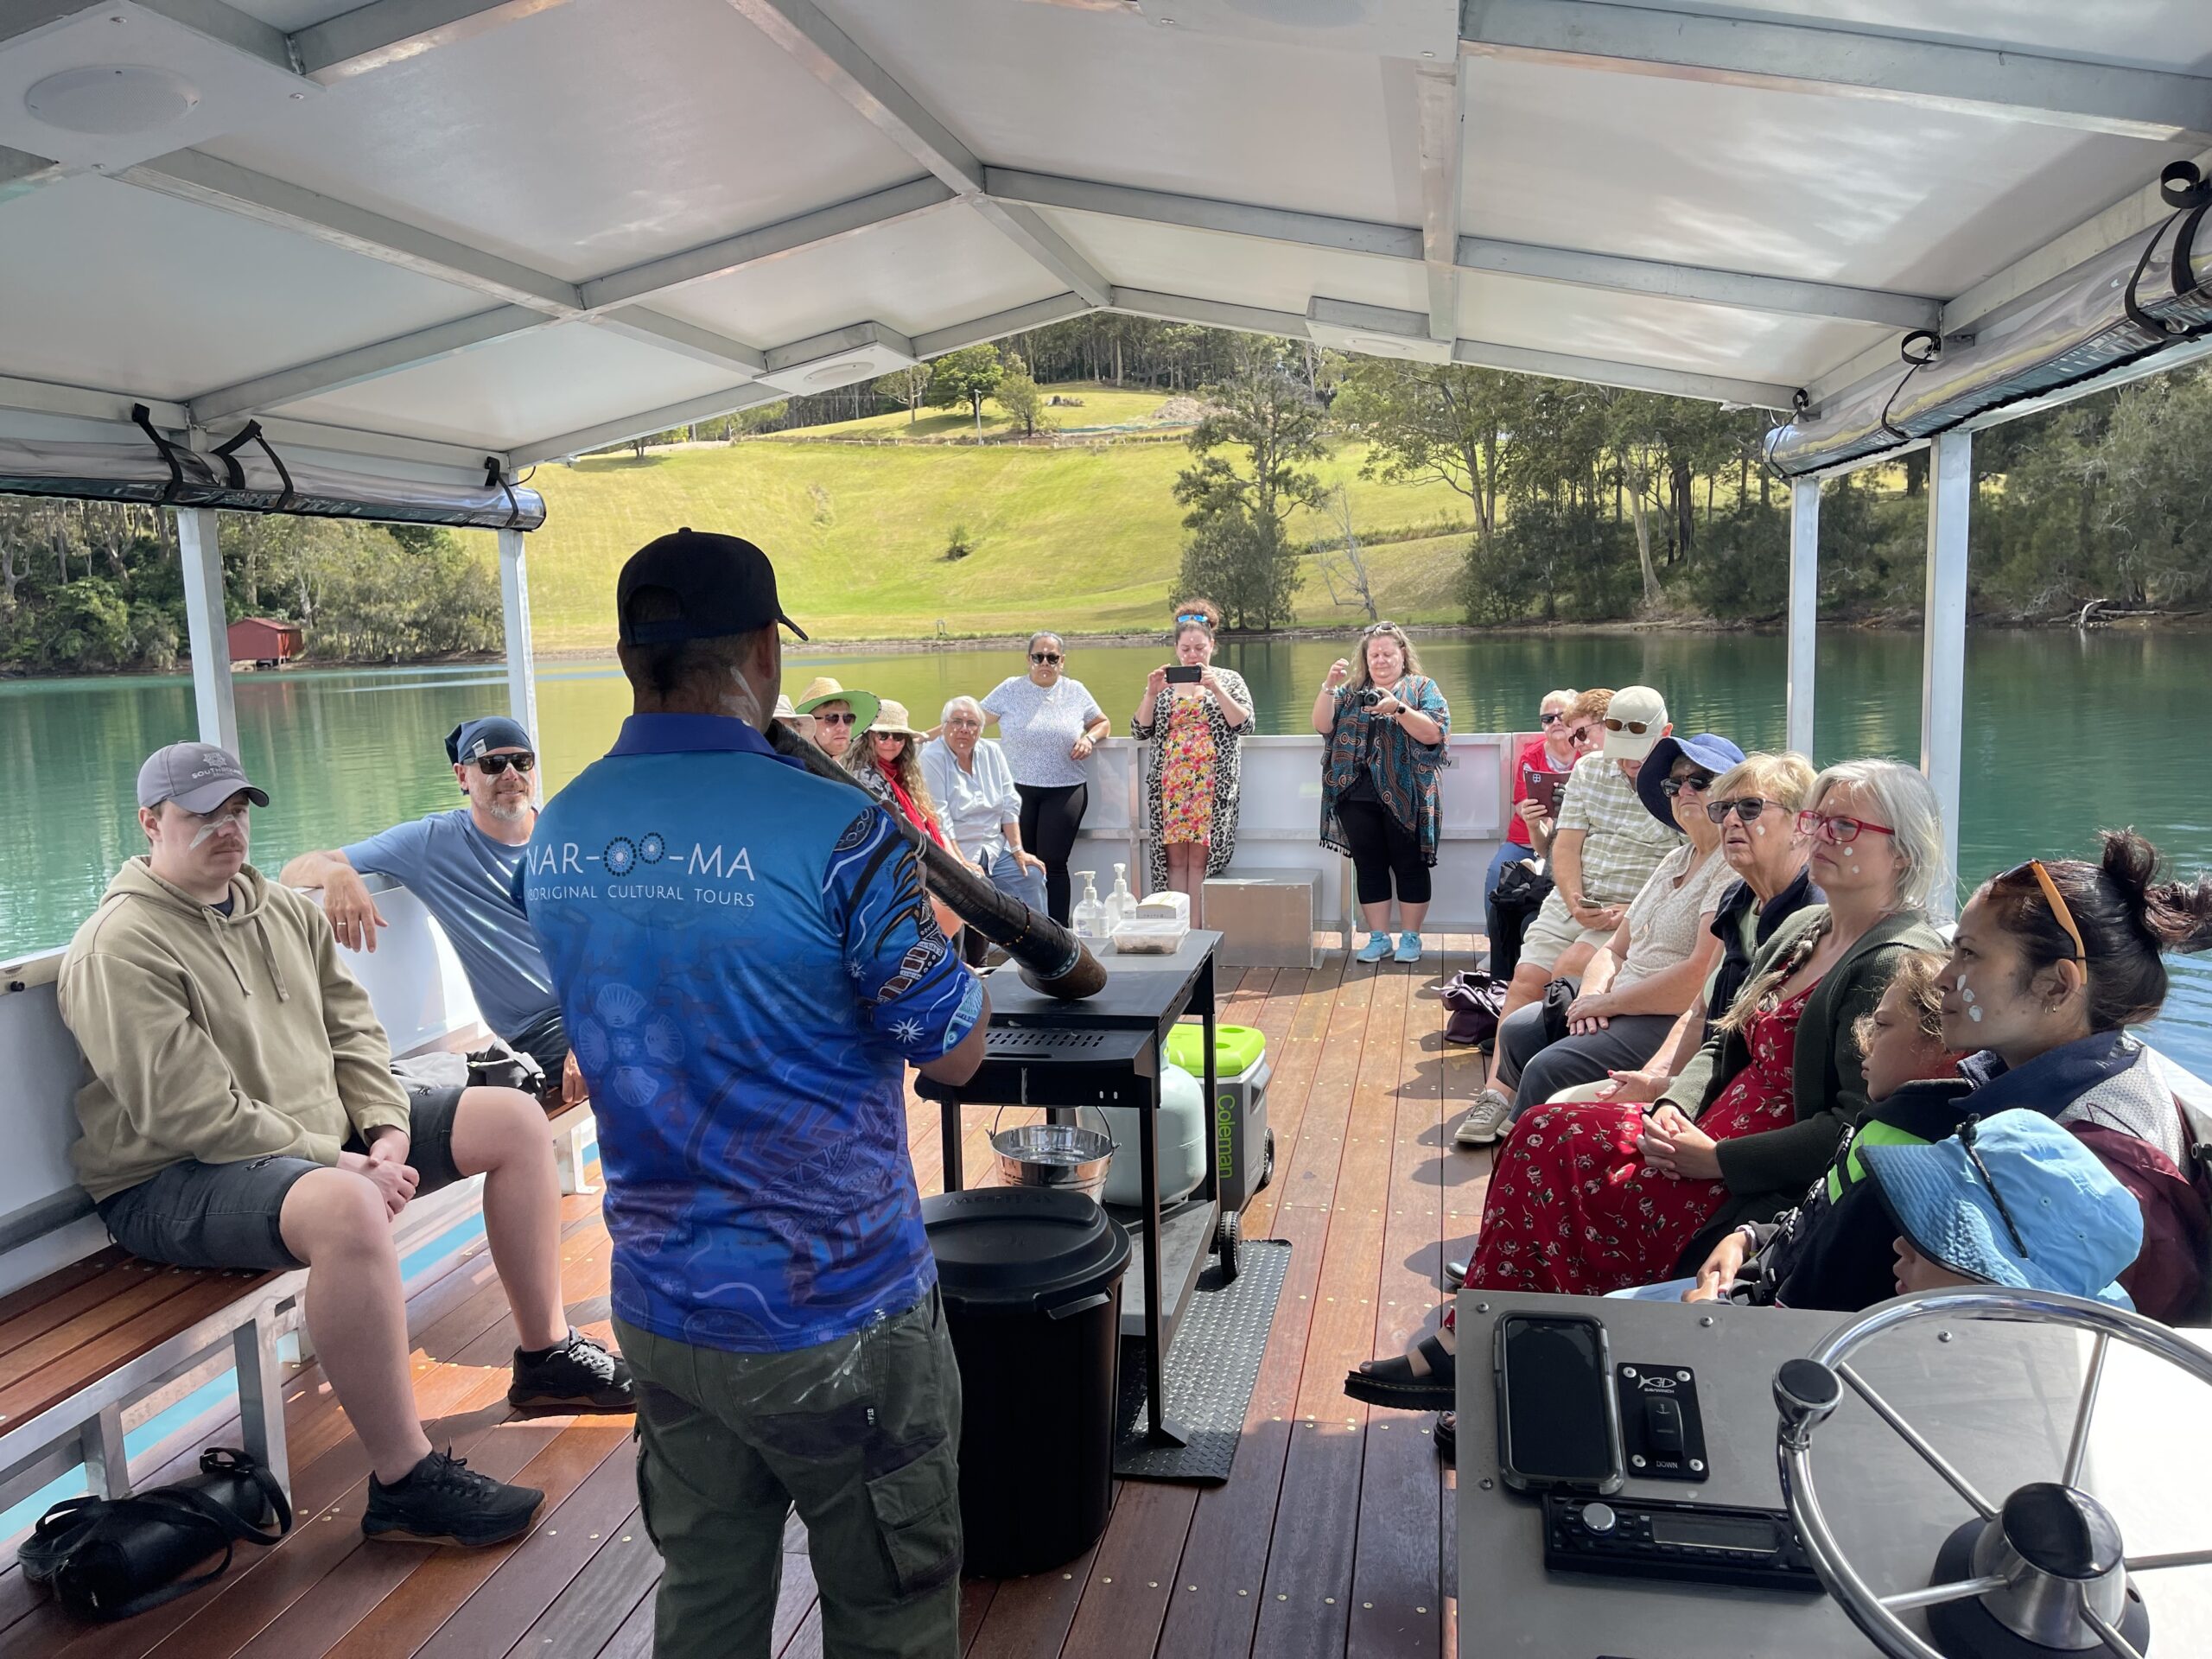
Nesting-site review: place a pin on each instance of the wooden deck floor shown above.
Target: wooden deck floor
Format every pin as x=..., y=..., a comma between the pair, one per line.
x=1332, y=1537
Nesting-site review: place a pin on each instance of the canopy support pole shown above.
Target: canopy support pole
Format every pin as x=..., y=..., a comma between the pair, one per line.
x=208, y=625
x=514, y=607
x=1943, y=659
x=1804, y=607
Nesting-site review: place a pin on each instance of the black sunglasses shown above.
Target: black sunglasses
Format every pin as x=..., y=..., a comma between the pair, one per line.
x=1553, y=719
x=1749, y=808
x=1974, y=1156
x=493, y=765
x=1044, y=657
x=1673, y=787
x=845, y=719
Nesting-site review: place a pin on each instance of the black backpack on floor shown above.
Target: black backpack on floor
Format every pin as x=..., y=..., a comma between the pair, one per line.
x=115, y=1558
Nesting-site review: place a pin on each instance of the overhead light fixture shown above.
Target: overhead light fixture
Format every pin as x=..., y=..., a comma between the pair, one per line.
x=838, y=374
x=112, y=100
x=1373, y=330
x=861, y=351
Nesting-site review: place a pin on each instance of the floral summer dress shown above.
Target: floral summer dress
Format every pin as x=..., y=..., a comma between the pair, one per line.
x=1186, y=774
x=1574, y=1208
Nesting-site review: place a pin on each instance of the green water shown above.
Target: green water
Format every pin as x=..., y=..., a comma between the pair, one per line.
x=2063, y=733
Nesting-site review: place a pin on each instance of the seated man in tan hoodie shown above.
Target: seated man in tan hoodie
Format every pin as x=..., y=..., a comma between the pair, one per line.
x=242, y=1113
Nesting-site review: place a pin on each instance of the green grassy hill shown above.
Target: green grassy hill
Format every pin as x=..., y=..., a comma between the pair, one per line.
x=1081, y=537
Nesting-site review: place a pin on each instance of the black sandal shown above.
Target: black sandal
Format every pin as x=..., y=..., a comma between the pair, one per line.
x=1393, y=1382
x=1447, y=1437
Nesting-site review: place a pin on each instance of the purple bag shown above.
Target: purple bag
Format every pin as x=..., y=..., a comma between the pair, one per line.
x=1473, y=1002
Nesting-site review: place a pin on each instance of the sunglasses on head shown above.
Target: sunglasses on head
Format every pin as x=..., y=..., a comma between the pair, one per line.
x=493, y=765
x=1634, y=728
x=1967, y=1131
x=845, y=719
x=1837, y=831
x=1695, y=785
x=1042, y=657
x=1199, y=617
x=1749, y=808
x=2059, y=911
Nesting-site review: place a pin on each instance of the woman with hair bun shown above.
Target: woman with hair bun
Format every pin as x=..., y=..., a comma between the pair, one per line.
x=1191, y=773
x=2052, y=962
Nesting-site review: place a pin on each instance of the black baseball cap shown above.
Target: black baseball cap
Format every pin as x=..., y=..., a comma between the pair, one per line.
x=723, y=584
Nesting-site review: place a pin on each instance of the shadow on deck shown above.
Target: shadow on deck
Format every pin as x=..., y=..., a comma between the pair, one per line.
x=1332, y=1537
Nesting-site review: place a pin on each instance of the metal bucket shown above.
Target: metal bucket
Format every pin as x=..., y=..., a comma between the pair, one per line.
x=1062, y=1156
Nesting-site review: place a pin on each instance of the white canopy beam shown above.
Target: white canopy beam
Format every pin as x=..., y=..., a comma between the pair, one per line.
x=1437, y=112
x=828, y=54
x=1944, y=649
x=1635, y=377
x=344, y=369
x=207, y=626
x=386, y=32
x=190, y=175
x=20, y=172
x=1804, y=608
x=1744, y=290
x=1794, y=55
x=1211, y=314
x=1038, y=314
x=711, y=407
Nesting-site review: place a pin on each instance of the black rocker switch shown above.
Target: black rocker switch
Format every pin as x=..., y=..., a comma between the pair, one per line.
x=1663, y=1422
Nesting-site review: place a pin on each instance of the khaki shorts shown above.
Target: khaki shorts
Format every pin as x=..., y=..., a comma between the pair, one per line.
x=1553, y=932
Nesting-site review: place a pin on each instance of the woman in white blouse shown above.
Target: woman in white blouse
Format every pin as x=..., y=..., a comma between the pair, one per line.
x=1049, y=724
x=979, y=806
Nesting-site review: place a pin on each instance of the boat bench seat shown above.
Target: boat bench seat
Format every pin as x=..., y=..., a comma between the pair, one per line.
x=81, y=1344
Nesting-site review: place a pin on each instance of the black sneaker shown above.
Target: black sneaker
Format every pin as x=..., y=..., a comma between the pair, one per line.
x=576, y=1376
x=444, y=1501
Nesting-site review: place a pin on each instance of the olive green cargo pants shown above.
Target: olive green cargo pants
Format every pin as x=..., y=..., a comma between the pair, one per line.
x=861, y=1434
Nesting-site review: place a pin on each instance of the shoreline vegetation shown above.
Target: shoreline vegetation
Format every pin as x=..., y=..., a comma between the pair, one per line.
x=1082, y=476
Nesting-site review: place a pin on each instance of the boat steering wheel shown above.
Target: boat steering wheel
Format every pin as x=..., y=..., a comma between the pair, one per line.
x=2043, y=1571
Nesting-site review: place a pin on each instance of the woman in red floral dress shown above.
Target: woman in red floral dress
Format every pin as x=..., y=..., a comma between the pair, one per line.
x=1600, y=1196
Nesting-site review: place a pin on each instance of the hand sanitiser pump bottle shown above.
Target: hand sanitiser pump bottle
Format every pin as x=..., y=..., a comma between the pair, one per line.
x=1090, y=916
x=1121, y=902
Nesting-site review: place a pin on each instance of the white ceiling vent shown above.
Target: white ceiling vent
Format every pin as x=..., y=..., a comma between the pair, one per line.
x=108, y=86
x=840, y=358
x=1373, y=330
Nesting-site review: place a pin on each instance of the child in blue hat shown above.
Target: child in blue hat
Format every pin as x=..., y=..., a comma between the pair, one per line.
x=2013, y=1200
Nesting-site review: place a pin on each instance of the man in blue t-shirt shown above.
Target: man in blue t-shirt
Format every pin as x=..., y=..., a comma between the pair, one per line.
x=747, y=961
x=463, y=865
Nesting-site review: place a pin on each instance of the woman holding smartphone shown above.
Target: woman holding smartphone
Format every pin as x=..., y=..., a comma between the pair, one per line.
x=1384, y=722
x=1198, y=714
x=1541, y=766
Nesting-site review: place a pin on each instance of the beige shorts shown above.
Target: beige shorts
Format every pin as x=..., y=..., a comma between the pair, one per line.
x=1553, y=932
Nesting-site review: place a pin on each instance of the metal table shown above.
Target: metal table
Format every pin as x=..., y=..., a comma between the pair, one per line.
x=1104, y=1051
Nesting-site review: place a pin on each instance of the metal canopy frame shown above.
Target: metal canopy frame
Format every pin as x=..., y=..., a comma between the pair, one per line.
x=1419, y=182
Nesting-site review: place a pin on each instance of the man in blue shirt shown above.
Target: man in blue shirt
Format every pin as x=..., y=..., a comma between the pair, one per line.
x=747, y=962
x=463, y=865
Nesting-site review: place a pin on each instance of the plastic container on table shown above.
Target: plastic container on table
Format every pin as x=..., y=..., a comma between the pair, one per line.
x=1155, y=935
x=1031, y=1282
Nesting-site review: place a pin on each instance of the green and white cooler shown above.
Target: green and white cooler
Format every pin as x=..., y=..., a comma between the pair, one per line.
x=1243, y=1146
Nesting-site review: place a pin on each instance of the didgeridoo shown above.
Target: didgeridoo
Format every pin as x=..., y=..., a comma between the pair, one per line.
x=1052, y=959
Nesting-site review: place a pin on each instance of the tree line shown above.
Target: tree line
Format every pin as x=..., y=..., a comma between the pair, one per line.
x=91, y=585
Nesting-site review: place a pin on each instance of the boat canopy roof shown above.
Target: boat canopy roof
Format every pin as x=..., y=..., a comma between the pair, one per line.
x=417, y=238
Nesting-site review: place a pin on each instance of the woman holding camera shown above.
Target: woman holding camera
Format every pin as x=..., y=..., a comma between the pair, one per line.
x=1385, y=723
x=1198, y=712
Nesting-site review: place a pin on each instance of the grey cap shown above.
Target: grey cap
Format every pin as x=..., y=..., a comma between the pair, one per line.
x=198, y=777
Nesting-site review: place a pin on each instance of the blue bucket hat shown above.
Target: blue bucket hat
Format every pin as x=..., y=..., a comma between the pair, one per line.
x=2082, y=1229
x=1709, y=749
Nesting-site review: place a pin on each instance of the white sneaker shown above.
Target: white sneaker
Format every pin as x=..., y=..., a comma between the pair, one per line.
x=1486, y=1121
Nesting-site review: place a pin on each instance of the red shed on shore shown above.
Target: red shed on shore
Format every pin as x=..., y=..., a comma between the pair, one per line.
x=265, y=643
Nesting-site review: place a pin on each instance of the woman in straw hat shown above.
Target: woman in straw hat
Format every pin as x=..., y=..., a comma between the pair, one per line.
x=887, y=760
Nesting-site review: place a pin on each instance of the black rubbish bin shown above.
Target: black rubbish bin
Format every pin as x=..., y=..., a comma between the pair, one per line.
x=1032, y=1279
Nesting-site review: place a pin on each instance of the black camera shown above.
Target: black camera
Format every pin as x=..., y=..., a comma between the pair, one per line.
x=1367, y=697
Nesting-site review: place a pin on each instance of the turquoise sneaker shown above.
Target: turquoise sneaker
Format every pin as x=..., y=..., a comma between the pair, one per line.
x=1408, y=948
x=1376, y=948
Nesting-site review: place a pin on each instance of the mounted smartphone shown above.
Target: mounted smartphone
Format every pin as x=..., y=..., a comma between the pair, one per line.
x=1558, y=1429
x=1185, y=673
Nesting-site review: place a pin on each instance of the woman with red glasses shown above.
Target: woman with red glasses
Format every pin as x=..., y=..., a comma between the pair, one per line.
x=1049, y=723
x=1589, y=1198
